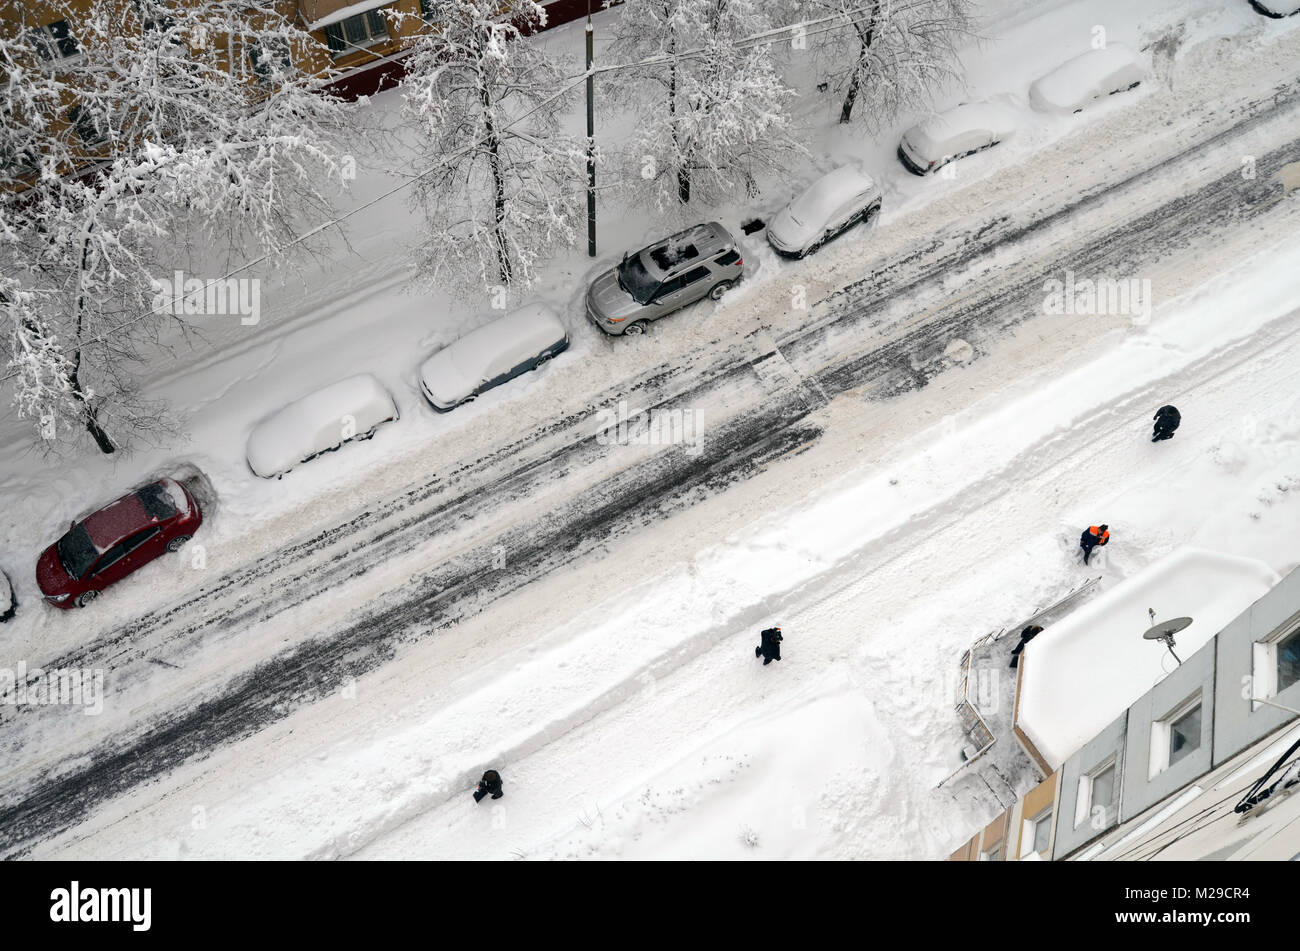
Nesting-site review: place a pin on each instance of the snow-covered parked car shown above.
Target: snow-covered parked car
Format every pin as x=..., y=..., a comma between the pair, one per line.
x=8, y=600
x=1277, y=9
x=116, y=540
x=701, y=261
x=319, y=422
x=1088, y=77
x=830, y=206
x=963, y=130
x=491, y=355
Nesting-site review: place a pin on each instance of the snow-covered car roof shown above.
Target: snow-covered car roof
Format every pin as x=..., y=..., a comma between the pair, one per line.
x=672, y=253
x=316, y=422
x=824, y=196
x=1073, y=83
x=1279, y=8
x=807, y=216
x=461, y=367
x=6, y=596
x=933, y=137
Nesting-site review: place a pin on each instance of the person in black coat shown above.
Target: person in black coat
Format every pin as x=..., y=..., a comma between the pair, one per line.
x=490, y=783
x=1093, y=536
x=1167, y=419
x=770, y=649
x=1027, y=635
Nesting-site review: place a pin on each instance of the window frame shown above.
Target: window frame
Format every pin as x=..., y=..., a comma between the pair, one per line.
x=1042, y=821
x=1162, y=735
x=1266, y=674
x=341, y=44
x=49, y=47
x=79, y=118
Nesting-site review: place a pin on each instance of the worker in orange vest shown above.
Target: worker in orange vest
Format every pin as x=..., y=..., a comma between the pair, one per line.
x=1094, y=537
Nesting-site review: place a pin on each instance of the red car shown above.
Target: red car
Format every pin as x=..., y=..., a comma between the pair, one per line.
x=120, y=538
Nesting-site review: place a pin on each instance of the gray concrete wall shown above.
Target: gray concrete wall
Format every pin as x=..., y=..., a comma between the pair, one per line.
x=1141, y=791
x=1236, y=726
x=1108, y=744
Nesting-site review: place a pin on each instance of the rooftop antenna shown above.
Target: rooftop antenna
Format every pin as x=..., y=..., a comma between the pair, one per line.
x=1165, y=631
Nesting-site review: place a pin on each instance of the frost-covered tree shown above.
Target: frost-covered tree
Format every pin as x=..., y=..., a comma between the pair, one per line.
x=710, y=104
x=132, y=133
x=886, y=55
x=500, y=186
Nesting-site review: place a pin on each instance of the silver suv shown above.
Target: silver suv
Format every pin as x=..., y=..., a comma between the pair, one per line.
x=655, y=281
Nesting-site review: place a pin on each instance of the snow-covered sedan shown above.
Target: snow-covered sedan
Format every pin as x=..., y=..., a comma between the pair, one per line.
x=8, y=600
x=963, y=130
x=1088, y=77
x=122, y=537
x=491, y=355
x=319, y=422
x=1277, y=9
x=830, y=206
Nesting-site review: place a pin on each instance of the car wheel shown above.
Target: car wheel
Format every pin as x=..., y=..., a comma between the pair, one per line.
x=637, y=327
x=719, y=289
x=86, y=597
x=177, y=543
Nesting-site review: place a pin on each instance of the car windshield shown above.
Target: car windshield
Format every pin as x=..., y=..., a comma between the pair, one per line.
x=636, y=280
x=157, y=501
x=77, y=551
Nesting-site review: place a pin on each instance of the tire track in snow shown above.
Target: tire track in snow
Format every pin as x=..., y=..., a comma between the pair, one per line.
x=772, y=427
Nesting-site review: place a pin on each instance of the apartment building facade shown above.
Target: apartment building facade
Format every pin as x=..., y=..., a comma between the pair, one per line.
x=1206, y=764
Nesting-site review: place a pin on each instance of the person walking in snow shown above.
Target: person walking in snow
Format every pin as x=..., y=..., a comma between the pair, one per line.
x=1093, y=537
x=1167, y=419
x=770, y=649
x=1027, y=635
x=490, y=783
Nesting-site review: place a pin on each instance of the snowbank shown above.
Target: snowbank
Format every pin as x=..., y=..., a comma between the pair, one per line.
x=1080, y=674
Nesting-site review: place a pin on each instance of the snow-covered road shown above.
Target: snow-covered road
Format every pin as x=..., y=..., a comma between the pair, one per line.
x=248, y=658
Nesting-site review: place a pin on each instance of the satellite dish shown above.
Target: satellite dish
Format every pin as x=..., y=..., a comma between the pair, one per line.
x=1165, y=631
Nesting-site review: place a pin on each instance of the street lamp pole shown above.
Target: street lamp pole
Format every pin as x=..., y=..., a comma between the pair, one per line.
x=591, y=143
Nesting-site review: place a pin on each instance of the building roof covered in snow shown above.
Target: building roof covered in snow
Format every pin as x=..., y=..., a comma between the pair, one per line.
x=1081, y=673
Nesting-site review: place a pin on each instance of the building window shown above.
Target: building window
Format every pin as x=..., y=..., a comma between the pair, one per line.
x=89, y=126
x=1185, y=735
x=1276, y=663
x=270, y=59
x=1043, y=832
x=357, y=32
x=54, y=41
x=1102, y=787
x=992, y=855
x=1176, y=736
x=1288, y=660
x=426, y=10
x=1097, y=789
